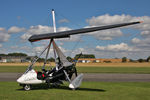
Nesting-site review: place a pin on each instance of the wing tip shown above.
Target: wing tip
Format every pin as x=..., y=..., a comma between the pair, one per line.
x=141, y=21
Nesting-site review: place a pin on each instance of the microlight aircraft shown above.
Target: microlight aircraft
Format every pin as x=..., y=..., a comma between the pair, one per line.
x=64, y=69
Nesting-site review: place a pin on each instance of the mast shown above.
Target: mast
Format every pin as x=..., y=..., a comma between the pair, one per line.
x=54, y=26
x=54, y=23
x=48, y=49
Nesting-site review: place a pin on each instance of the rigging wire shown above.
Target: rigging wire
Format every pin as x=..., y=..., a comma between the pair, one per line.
x=74, y=47
x=124, y=40
x=33, y=45
x=64, y=17
x=78, y=25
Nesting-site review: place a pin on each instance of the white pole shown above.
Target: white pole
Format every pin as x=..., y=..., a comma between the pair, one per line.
x=54, y=24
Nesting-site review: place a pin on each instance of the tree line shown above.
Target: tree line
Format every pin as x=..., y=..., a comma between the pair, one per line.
x=124, y=59
x=14, y=54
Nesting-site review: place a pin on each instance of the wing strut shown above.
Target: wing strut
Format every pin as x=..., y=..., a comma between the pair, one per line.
x=47, y=54
x=36, y=58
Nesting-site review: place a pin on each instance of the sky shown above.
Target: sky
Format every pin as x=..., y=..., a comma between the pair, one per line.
x=20, y=19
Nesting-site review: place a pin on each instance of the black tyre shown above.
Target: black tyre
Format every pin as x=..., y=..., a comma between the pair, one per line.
x=27, y=87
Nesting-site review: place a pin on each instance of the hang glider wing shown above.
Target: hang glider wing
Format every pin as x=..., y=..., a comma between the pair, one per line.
x=65, y=34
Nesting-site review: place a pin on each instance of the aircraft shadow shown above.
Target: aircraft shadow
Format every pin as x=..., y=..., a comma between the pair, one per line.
x=81, y=89
x=90, y=89
x=64, y=88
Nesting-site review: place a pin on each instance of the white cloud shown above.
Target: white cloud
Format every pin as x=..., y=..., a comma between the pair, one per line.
x=115, y=19
x=143, y=44
x=38, y=49
x=15, y=29
x=2, y=29
x=115, y=47
x=107, y=34
x=145, y=25
x=114, y=51
x=1, y=45
x=4, y=36
x=14, y=47
x=135, y=40
x=63, y=49
x=108, y=19
x=71, y=38
x=140, y=47
x=145, y=34
x=63, y=29
x=61, y=43
x=63, y=21
x=40, y=29
x=33, y=30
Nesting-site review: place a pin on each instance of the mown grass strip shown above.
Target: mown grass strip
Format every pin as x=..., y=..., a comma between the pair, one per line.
x=142, y=70
x=87, y=91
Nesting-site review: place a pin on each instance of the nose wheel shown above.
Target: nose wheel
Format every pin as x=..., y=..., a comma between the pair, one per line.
x=27, y=87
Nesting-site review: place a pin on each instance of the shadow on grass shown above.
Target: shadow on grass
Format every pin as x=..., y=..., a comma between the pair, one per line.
x=90, y=89
x=64, y=88
x=81, y=89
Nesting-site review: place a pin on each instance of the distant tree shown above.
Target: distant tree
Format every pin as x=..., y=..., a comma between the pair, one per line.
x=131, y=60
x=141, y=60
x=124, y=59
x=17, y=54
x=107, y=61
x=84, y=56
x=3, y=54
x=148, y=59
x=28, y=58
x=40, y=60
x=69, y=58
x=51, y=59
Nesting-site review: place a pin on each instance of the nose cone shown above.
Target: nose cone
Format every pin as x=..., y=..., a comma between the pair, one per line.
x=19, y=80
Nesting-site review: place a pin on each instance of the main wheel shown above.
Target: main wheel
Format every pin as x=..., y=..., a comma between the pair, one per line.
x=27, y=87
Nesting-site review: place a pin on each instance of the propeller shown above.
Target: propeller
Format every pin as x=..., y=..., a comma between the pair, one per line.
x=75, y=71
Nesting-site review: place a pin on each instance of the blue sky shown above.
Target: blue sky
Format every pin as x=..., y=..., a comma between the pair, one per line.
x=22, y=14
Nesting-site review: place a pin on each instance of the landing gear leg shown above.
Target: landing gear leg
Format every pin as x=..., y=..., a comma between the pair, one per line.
x=27, y=87
x=48, y=82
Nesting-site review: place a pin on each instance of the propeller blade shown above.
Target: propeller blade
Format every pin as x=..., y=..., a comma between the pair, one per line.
x=75, y=71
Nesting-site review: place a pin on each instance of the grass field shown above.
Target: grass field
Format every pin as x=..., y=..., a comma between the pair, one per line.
x=93, y=69
x=87, y=91
x=86, y=64
x=86, y=67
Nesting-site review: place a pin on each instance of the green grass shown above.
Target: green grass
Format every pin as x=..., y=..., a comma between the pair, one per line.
x=15, y=68
x=85, y=69
x=142, y=70
x=87, y=91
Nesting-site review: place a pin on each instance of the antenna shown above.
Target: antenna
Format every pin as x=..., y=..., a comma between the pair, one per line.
x=54, y=24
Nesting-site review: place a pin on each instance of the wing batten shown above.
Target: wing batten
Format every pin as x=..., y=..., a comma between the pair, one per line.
x=65, y=34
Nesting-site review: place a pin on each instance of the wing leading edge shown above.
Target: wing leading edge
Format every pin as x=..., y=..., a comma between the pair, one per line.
x=65, y=34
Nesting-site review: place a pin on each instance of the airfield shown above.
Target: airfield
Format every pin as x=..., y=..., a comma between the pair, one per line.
x=103, y=81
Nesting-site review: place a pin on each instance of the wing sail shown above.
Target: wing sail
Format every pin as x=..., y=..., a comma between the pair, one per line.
x=62, y=57
x=65, y=34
